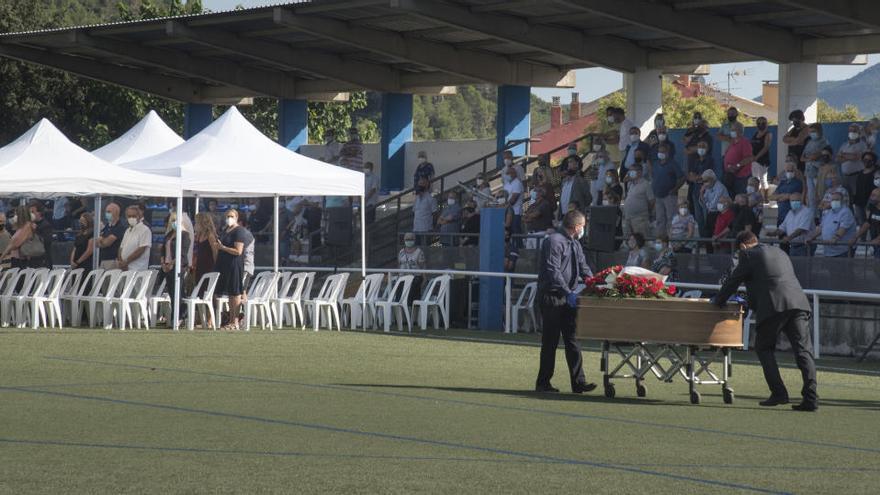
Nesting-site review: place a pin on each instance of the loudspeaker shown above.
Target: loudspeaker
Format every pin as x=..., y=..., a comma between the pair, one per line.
x=339, y=232
x=603, y=224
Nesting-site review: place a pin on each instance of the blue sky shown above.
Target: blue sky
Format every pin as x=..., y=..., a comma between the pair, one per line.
x=593, y=83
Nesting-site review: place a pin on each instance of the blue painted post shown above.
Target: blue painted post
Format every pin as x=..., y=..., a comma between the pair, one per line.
x=196, y=116
x=492, y=305
x=293, y=123
x=514, y=119
x=397, y=130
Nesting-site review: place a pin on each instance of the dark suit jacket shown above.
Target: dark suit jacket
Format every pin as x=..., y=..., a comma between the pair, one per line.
x=580, y=192
x=769, y=278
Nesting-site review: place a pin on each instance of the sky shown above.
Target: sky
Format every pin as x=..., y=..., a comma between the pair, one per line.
x=594, y=83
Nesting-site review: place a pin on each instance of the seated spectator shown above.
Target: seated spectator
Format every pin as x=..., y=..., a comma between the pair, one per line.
x=790, y=182
x=833, y=185
x=711, y=193
x=745, y=217
x=683, y=226
x=849, y=155
x=83, y=244
x=639, y=205
x=612, y=186
x=756, y=203
x=423, y=211
x=637, y=254
x=424, y=170
x=737, y=160
x=539, y=217
x=798, y=224
x=24, y=230
x=412, y=258
x=134, y=251
x=665, y=262
x=470, y=216
x=753, y=190
x=485, y=190
x=449, y=220
x=723, y=224
x=872, y=220
x=837, y=228
x=813, y=159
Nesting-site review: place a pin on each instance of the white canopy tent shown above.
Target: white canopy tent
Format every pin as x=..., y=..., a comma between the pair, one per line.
x=231, y=158
x=148, y=137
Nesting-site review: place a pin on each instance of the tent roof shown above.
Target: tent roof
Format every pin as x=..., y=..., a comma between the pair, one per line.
x=43, y=160
x=231, y=157
x=148, y=137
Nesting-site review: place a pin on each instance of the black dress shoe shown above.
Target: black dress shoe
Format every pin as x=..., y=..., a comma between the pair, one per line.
x=584, y=387
x=773, y=401
x=806, y=407
x=545, y=388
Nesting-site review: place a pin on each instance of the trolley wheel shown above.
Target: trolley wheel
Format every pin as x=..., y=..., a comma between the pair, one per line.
x=609, y=390
x=695, y=397
x=641, y=391
x=728, y=395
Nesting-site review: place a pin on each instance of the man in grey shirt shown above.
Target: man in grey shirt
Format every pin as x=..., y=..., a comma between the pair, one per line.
x=450, y=220
x=639, y=204
x=850, y=158
x=423, y=211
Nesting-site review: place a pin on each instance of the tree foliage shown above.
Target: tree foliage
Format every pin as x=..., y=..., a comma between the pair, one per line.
x=826, y=113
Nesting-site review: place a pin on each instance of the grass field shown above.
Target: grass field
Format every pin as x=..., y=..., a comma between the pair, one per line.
x=304, y=412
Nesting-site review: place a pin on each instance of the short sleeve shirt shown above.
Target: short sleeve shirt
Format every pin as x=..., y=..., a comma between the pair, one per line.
x=111, y=252
x=735, y=154
x=714, y=194
x=423, y=212
x=832, y=221
x=850, y=167
x=515, y=187
x=665, y=177
x=134, y=238
x=623, y=132
x=638, y=199
x=801, y=219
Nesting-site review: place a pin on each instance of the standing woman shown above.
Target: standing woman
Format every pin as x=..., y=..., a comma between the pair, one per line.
x=83, y=244
x=167, y=260
x=205, y=250
x=230, y=264
x=761, y=150
x=24, y=230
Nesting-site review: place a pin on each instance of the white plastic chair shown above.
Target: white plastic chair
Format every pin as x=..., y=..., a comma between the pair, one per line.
x=396, y=306
x=104, y=305
x=74, y=301
x=9, y=295
x=260, y=298
x=525, y=304
x=434, y=301
x=132, y=305
x=205, y=302
x=354, y=313
x=158, y=298
x=329, y=300
x=70, y=287
x=45, y=308
x=34, y=286
x=282, y=288
x=8, y=280
x=291, y=303
x=101, y=293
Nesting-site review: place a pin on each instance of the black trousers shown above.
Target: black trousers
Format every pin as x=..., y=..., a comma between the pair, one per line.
x=169, y=286
x=794, y=324
x=559, y=319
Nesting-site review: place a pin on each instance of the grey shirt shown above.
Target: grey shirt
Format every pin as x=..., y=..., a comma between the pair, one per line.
x=423, y=212
x=638, y=199
x=563, y=265
x=850, y=167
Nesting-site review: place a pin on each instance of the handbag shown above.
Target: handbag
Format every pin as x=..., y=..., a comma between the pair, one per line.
x=33, y=247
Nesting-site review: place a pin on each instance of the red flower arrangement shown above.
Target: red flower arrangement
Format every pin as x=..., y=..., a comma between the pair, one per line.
x=612, y=282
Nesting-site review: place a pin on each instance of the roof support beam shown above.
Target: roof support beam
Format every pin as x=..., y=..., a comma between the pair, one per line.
x=371, y=76
x=468, y=64
x=826, y=51
x=172, y=88
x=251, y=79
x=823, y=47
x=595, y=50
x=862, y=12
x=764, y=43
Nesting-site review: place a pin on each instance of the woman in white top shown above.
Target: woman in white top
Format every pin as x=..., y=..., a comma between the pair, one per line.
x=411, y=257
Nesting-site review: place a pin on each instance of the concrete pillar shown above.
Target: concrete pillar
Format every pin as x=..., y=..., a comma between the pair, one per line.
x=397, y=130
x=513, y=120
x=492, y=304
x=293, y=123
x=644, y=98
x=798, y=85
x=196, y=116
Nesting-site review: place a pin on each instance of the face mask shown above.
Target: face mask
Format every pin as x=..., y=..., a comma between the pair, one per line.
x=632, y=174
x=508, y=162
x=534, y=195
x=732, y=134
x=701, y=151
x=174, y=226
x=480, y=182
x=750, y=189
x=683, y=212
x=661, y=156
x=631, y=243
x=610, y=120
x=572, y=152
x=829, y=182
x=658, y=246
x=501, y=201
x=633, y=138
x=789, y=175
x=609, y=180
x=580, y=234
x=835, y=204
x=696, y=122
x=230, y=221
x=368, y=172
x=761, y=127
x=876, y=182
x=597, y=147
x=796, y=205
x=450, y=201
x=14, y=220
x=409, y=243
x=731, y=118
x=853, y=136
x=721, y=207
x=661, y=137
x=132, y=221
x=605, y=202
x=422, y=159
x=814, y=135
x=108, y=217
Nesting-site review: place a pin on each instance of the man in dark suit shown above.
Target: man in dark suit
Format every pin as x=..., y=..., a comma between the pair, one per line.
x=779, y=305
x=563, y=267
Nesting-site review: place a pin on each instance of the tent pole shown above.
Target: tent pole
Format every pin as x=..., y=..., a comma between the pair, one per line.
x=197, y=206
x=364, y=257
x=275, y=237
x=97, y=218
x=178, y=244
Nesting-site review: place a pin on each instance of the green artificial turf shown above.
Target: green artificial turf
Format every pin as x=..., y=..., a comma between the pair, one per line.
x=88, y=411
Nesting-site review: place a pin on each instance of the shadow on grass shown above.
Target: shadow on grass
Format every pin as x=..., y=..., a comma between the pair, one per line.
x=873, y=405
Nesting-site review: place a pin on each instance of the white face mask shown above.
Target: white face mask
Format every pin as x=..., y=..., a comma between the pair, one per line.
x=422, y=159
x=580, y=234
x=683, y=212
x=609, y=180
x=14, y=220
x=533, y=195
x=606, y=202
x=853, y=136
x=409, y=243
x=696, y=121
x=633, y=138
x=661, y=156
x=597, y=147
x=631, y=243
x=876, y=182
x=732, y=134
x=230, y=221
x=835, y=204
x=480, y=182
x=632, y=174
x=508, y=162
x=701, y=151
x=721, y=207
x=658, y=246
x=610, y=120
x=750, y=189
x=450, y=201
x=789, y=175
x=661, y=137
x=132, y=221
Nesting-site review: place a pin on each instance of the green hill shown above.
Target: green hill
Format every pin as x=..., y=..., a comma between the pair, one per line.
x=861, y=90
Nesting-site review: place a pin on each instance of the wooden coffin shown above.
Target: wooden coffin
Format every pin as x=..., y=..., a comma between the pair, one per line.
x=662, y=321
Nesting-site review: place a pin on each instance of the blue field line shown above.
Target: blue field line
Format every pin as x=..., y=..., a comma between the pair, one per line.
x=399, y=438
x=691, y=429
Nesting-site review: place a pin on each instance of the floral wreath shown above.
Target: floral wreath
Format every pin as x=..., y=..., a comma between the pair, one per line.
x=614, y=282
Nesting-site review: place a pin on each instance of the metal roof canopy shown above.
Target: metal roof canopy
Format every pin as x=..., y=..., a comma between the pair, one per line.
x=317, y=49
